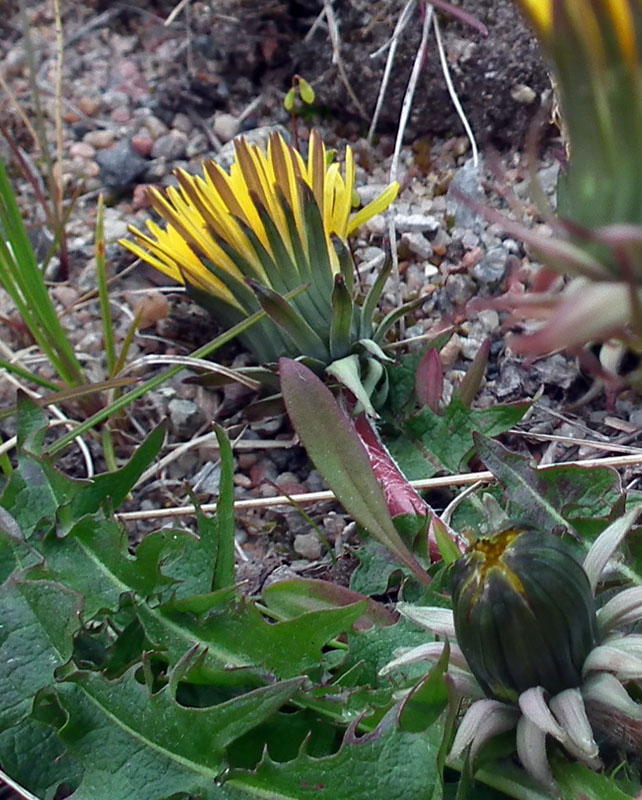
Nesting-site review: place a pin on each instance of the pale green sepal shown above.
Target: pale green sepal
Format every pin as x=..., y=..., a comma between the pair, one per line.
x=347, y=371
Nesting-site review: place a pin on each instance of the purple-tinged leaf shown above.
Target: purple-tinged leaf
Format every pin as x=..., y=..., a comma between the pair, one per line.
x=429, y=380
x=401, y=497
x=292, y=598
x=333, y=445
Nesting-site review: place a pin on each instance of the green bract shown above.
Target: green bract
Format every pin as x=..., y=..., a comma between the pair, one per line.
x=524, y=613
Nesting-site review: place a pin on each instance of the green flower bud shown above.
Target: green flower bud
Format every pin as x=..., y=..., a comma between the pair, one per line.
x=524, y=613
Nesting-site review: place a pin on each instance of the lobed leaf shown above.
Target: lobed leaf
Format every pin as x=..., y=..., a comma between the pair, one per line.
x=385, y=763
x=556, y=495
x=38, y=623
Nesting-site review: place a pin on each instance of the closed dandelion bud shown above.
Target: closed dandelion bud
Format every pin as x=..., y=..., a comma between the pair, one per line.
x=524, y=613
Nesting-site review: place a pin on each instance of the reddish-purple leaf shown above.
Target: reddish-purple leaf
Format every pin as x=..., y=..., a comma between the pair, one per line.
x=332, y=443
x=429, y=380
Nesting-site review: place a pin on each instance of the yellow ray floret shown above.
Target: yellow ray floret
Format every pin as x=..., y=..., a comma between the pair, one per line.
x=214, y=217
x=586, y=16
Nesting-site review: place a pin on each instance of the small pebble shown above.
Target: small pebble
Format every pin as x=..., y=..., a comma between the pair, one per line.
x=226, y=126
x=308, y=546
x=100, y=139
x=170, y=146
x=182, y=122
x=140, y=197
x=89, y=105
x=416, y=223
x=121, y=114
x=142, y=145
x=155, y=126
x=81, y=150
x=197, y=145
x=417, y=244
x=120, y=165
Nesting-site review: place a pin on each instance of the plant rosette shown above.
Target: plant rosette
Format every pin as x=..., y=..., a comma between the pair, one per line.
x=531, y=650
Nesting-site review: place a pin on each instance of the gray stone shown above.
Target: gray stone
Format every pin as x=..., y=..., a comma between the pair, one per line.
x=465, y=184
x=182, y=122
x=207, y=479
x=120, y=165
x=114, y=224
x=492, y=267
x=197, y=145
x=459, y=289
x=185, y=417
x=170, y=146
x=547, y=178
x=417, y=244
x=308, y=546
x=156, y=170
x=416, y=223
x=510, y=381
x=226, y=126
x=469, y=240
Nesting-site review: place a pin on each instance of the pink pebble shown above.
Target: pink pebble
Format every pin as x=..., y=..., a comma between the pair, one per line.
x=82, y=150
x=120, y=114
x=142, y=145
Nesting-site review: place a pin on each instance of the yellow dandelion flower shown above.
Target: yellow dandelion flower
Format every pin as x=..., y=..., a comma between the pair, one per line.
x=224, y=222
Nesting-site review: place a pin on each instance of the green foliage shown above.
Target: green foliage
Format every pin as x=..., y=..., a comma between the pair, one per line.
x=146, y=674
x=578, y=498
x=424, y=440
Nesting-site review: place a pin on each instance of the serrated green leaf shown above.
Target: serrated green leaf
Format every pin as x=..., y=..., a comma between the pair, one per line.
x=32, y=425
x=117, y=485
x=549, y=497
x=576, y=780
x=448, y=437
x=32, y=754
x=93, y=559
x=385, y=763
x=376, y=565
x=34, y=493
x=153, y=747
x=339, y=455
x=38, y=621
x=240, y=644
x=290, y=599
x=376, y=647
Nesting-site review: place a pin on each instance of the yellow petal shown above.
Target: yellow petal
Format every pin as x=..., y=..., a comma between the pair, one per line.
x=373, y=208
x=624, y=24
x=540, y=13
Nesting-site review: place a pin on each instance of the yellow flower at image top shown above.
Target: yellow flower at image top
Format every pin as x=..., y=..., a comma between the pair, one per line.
x=221, y=219
x=586, y=15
